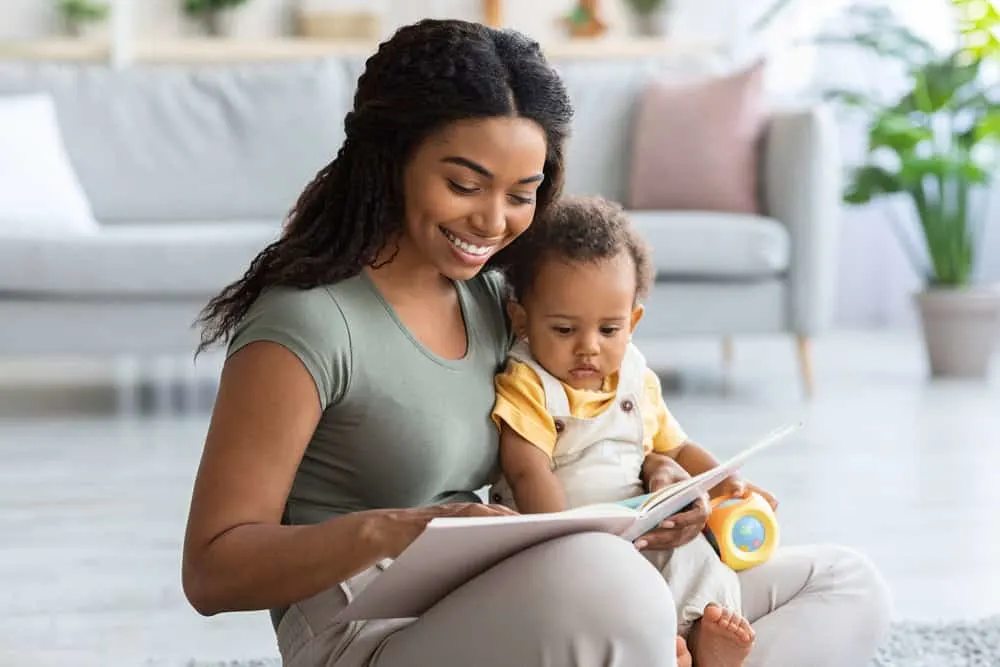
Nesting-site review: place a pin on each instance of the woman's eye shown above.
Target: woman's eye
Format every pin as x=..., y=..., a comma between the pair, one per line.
x=521, y=200
x=461, y=189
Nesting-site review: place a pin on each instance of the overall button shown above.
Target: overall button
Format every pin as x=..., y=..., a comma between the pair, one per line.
x=627, y=405
x=560, y=426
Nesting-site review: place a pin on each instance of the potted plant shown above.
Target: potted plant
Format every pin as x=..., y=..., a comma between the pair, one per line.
x=78, y=15
x=213, y=15
x=650, y=17
x=934, y=146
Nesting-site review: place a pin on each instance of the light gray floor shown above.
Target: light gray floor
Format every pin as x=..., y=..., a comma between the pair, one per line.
x=92, y=506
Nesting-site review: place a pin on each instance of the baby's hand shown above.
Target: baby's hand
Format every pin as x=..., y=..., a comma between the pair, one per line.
x=737, y=487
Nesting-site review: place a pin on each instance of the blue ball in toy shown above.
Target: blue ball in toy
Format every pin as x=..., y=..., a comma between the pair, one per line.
x=749, y=534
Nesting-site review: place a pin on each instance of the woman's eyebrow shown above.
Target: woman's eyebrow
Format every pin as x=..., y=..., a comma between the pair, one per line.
x=483, y=171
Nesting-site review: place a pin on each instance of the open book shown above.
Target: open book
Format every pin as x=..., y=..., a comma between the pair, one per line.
x=453, y=550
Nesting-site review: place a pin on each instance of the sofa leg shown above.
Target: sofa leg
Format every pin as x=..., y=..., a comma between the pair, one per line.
x=804, y=344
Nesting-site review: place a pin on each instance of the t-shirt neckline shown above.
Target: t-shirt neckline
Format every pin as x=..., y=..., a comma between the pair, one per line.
x=463, y=301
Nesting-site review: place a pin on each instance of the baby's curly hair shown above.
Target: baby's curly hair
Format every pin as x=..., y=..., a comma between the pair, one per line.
x=578, y=229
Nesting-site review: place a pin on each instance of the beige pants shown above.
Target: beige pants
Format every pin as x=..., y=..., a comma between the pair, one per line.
x=696, y=577
x=591, y=600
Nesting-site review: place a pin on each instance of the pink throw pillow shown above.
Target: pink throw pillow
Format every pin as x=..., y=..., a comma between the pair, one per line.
x=695, y=145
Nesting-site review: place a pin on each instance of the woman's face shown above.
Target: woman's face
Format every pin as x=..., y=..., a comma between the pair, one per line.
x=470, y=190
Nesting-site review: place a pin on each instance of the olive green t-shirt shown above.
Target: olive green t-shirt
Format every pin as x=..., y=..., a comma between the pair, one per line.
x=401, y=426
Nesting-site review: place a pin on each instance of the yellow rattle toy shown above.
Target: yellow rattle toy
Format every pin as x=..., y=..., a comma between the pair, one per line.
x=744, y=530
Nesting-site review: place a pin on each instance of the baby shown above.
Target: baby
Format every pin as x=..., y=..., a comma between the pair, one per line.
x=579, y=411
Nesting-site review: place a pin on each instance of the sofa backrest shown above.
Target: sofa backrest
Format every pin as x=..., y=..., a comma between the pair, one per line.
x=183, y=143
x=239, y=141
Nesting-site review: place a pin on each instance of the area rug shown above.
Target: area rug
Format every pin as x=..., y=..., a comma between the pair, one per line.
x=956, y=644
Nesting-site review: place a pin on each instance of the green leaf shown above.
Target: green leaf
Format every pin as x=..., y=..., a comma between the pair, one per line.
x=868, y=182
x=897, y=132
x=937, y=84
x=978, y=26
x=988, y=127
x=958, y=165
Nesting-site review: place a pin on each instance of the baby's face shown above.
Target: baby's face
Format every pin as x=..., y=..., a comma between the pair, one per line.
x=579, y=317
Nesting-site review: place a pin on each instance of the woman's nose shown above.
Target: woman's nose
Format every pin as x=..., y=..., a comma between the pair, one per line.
x=491, y=221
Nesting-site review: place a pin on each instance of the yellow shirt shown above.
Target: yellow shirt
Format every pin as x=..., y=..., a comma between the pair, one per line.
x=520, y=402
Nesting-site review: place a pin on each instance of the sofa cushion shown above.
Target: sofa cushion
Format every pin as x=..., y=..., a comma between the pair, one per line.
x=149, y=261
x=605, y=95
x=714, y=246
x=696, y=144
x=39, y=189
x=175, y=143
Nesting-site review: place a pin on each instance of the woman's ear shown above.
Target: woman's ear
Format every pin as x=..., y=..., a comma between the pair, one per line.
x=518, y=318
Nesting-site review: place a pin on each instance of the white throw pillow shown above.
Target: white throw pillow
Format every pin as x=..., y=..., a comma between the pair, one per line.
x=39, y=190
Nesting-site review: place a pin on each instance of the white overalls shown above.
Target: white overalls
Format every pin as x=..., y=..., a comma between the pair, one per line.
x=599, y=459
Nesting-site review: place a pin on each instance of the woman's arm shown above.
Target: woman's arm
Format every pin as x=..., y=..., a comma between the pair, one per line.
x=237, y=556
x=529, y=474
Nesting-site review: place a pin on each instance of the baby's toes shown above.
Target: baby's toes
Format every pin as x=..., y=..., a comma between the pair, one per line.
x=744, y=630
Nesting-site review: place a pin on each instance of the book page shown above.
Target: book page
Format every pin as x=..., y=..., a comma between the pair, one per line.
x=453, y=550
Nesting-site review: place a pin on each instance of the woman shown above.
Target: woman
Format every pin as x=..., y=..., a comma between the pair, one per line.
x=354, y=403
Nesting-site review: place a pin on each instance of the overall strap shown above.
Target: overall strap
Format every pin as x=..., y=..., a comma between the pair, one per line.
x=632, y=376
x=556, y=401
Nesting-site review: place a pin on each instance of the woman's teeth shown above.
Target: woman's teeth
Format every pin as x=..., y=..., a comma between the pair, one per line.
x=467, y=247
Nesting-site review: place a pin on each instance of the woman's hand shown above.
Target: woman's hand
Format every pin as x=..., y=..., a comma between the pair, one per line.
x=394, y=530
x=659, y=471
x=677, y=530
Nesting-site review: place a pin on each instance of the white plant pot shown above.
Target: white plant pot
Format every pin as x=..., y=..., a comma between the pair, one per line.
x=960, y=328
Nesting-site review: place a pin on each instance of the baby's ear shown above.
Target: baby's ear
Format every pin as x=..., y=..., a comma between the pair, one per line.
x=518, y=318
x=637, y=313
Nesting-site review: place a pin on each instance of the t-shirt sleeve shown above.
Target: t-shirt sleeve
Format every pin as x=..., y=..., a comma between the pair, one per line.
x=308, y=323
x=662, y=428
x=520, y=403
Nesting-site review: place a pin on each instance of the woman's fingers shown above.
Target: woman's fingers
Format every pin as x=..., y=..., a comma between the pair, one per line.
x=697, y=515
x=685, y=519
x=479, y=509
x=663, y=539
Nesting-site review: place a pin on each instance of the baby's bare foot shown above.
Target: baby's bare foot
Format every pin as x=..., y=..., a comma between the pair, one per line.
x=683, y=655
x=721, y=638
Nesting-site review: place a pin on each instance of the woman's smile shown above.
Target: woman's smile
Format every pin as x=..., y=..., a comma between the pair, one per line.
x=476, y=250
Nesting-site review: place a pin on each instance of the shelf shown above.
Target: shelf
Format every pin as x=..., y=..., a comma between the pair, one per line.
x=191, y=50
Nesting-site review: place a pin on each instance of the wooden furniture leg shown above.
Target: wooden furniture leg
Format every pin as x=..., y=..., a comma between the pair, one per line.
x=804, y=344
x=727, y=364
x=493, y=13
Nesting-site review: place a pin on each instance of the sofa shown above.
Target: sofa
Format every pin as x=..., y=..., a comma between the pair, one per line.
x=189, y=169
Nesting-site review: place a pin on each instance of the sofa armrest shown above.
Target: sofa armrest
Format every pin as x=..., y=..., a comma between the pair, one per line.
x=802, y=189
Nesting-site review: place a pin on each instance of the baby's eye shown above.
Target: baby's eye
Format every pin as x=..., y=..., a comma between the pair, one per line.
x=563, y=331
x=609, y=331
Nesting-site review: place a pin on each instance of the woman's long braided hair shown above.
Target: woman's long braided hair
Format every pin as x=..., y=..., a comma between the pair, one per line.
x=426, y=76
